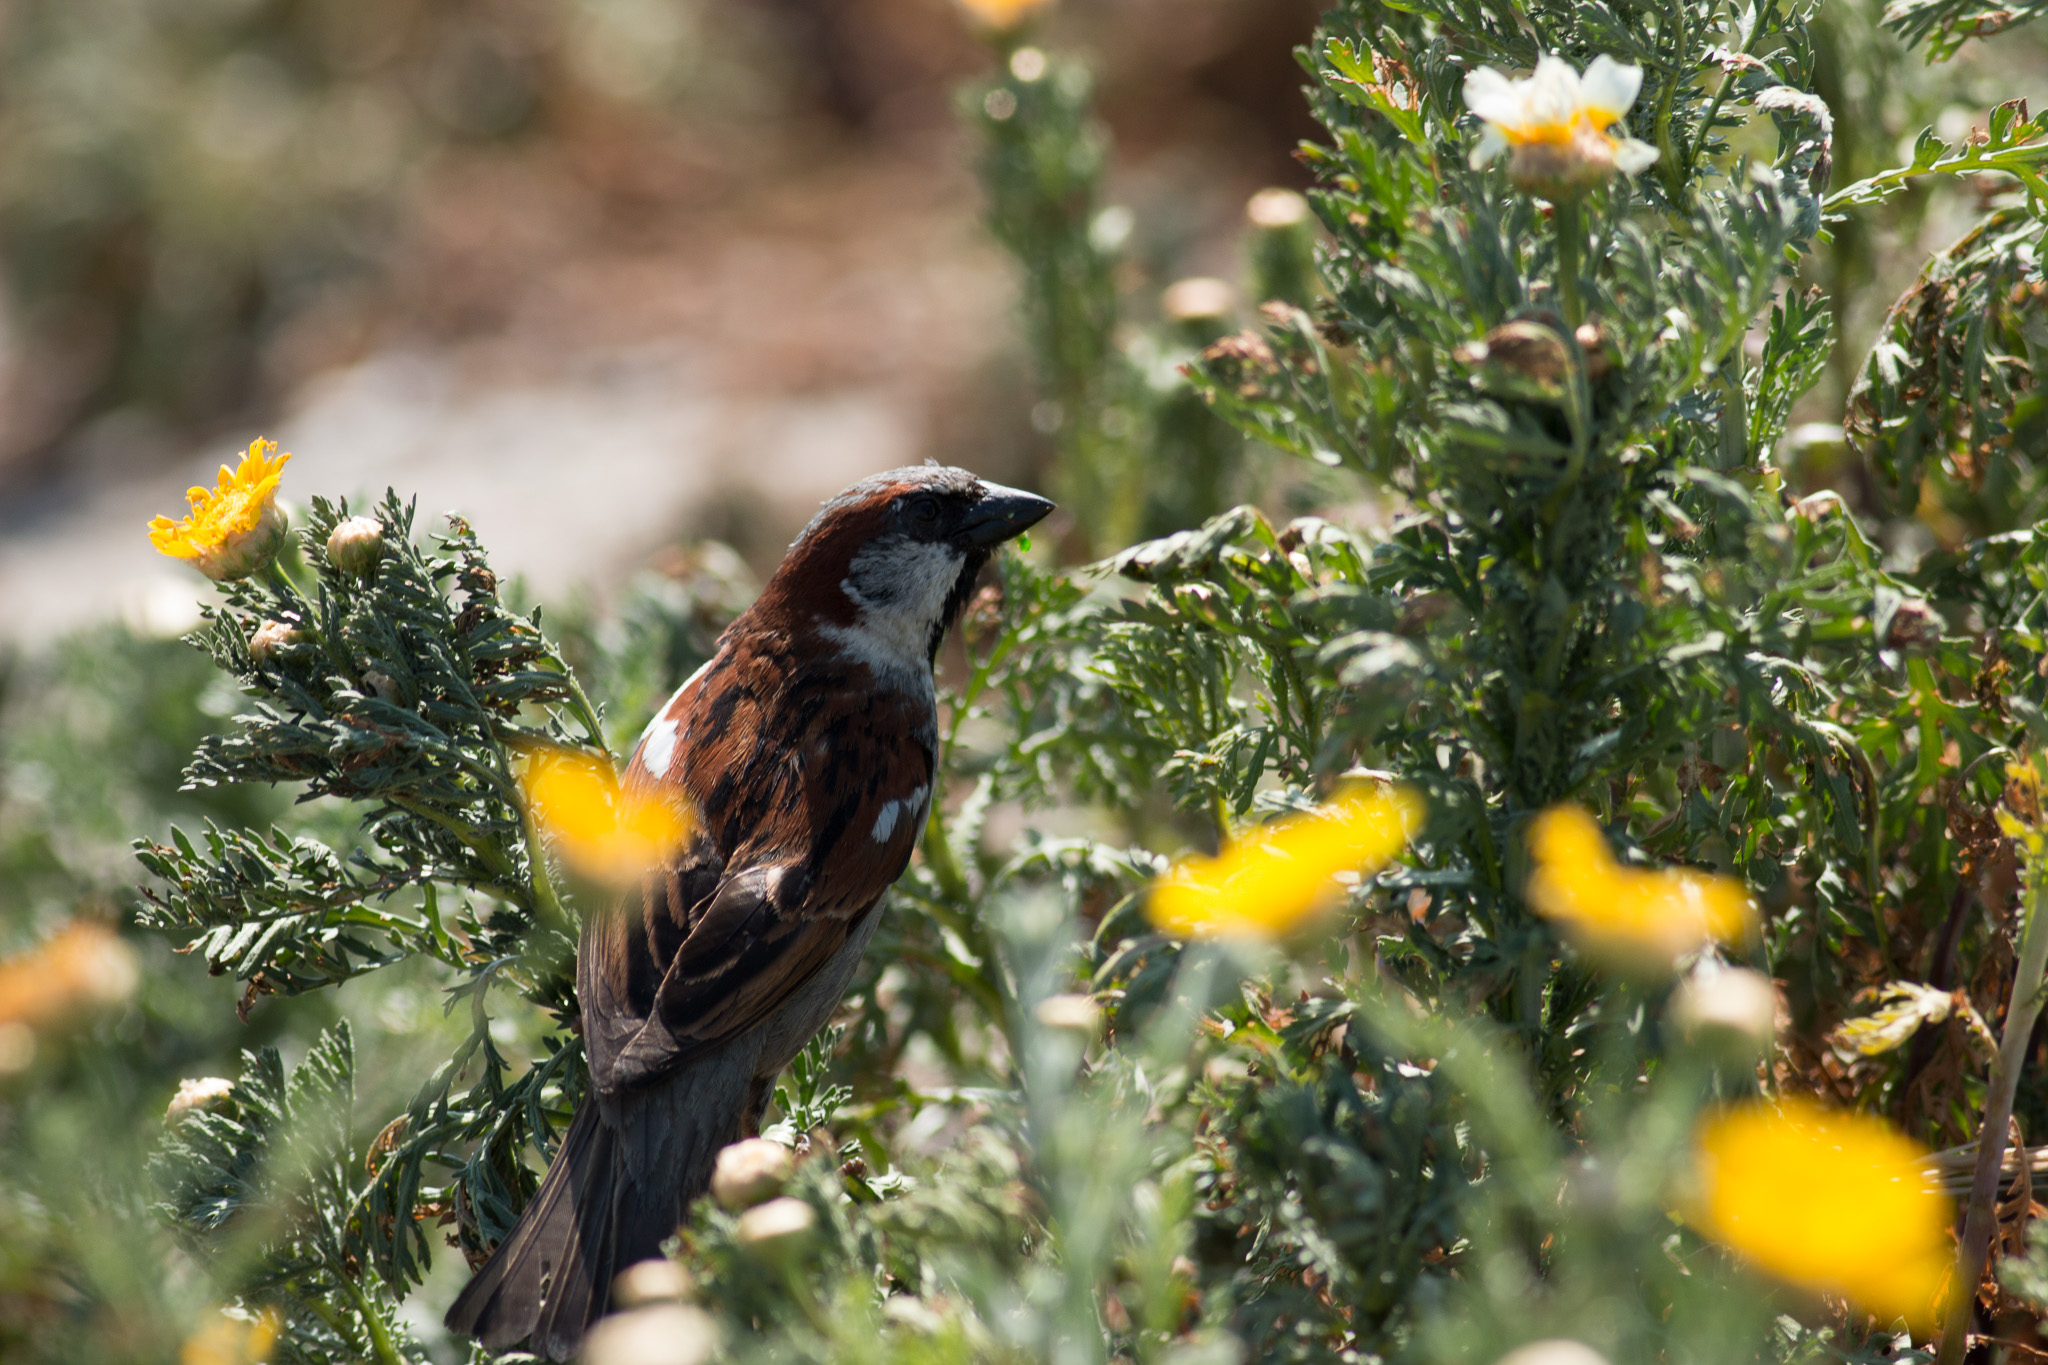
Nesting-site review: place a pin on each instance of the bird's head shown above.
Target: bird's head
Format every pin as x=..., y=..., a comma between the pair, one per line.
x=884, y=568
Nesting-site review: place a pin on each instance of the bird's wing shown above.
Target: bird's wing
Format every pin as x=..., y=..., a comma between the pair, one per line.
x=797, y=843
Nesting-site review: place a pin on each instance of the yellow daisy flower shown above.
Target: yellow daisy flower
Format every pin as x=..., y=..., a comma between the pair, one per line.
x=1633, y=917
x=1002, y=14
x=1832, y=1202
x=1555, y=124
x=233, y=529
x=1279, y=876
x=600, y=830
x=225, y=1340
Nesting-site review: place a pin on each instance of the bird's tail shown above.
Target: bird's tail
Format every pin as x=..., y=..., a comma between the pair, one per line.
x=607, y=1202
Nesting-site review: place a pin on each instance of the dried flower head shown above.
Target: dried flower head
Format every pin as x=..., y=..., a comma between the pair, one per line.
x=234, y=528
x=601, y=830
x=1277, y=877
x=1832, y=1202
x=1634, y=918
x=1555, y=125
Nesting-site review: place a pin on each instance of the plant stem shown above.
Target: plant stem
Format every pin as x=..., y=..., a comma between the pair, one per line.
x=544, y=897
x=385, y=1349
x=1570, y=235
x=1991, y=1138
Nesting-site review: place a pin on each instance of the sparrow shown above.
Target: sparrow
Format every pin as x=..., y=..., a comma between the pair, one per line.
x=806, y=749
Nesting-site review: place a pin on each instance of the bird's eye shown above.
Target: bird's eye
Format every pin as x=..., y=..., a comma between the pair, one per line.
x=924, y=511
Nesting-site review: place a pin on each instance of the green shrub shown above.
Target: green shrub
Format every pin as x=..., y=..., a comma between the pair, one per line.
x=1436, y=1128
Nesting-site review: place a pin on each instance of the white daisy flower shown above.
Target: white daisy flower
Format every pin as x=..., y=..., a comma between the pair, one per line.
x=1555, y=125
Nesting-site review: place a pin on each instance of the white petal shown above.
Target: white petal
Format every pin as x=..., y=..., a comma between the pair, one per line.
x=1491, y=95
x=1552, y=96
x=1632, y=156
x=1492, y=142
x=1608, y=89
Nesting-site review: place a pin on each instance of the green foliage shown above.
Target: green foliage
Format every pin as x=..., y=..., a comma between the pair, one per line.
x=1434, y=1132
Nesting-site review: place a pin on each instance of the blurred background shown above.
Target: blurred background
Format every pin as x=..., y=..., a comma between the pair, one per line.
x=599, y=272
x=613, y=278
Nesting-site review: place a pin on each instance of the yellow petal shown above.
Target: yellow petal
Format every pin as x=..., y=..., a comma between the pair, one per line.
x=601, y=830
x=1276, y=878
x=1832, y=1202
x=234, y=528
x=1633, y=917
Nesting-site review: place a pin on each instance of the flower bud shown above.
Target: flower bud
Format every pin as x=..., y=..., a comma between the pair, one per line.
x=655, y=1280
x=1556, y=1351
x=663, y=1334
x=778, y=1229
x=251, y=551
x=1728, y=1012
x=750, y=1172
x=1815, y=506
x=355, y=545
x=1074, y=1012
x=270, y=637
x=204, y=1093
x=1598, y=350
x=1199, y=307
x=1282, y=246
x=1521, y=358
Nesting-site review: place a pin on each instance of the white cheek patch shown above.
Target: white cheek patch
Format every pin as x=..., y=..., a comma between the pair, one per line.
x=899, y=587
x=909, y=808
x=658, y=746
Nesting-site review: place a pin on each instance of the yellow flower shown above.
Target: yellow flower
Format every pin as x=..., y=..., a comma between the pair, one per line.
x=1555, y=123
x=83, y=963
x=1832, y=1202
x=1633, y=917
x=1002, y=14
x=601, y=830
x=1272, y=881
x=224, y=1340
x=234, y=529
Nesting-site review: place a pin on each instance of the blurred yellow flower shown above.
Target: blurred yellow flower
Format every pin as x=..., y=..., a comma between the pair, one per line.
x=1832, y=1202
x=601, y=830
x=1277, y=877
x=1631, y=916
x=85, y=962
x=233, y=529
x=1002, y=14
x=222, y=1340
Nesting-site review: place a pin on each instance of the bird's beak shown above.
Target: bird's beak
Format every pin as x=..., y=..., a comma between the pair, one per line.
x=1001, y=513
